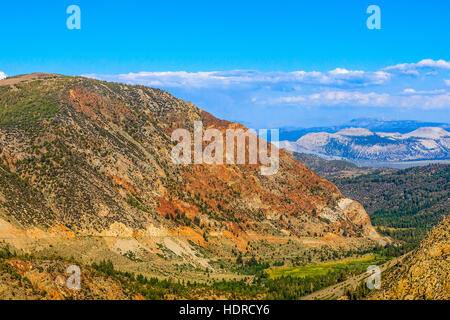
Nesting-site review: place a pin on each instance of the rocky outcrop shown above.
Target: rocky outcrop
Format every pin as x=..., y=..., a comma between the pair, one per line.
x=424, y=274
x=47, y=280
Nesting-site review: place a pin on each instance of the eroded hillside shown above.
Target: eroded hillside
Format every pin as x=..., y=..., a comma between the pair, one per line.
x=424, y=274
x=86, y=172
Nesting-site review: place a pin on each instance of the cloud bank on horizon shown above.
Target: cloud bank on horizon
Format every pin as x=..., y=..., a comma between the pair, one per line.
x=2, y=75
x=298, y=98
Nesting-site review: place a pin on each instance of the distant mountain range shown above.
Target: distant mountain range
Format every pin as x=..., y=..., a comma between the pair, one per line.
x=425, y=143
x=375, y=125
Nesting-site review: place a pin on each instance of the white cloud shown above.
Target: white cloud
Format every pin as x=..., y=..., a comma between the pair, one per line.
x=338, y=87
x=337, y=78
x=172, y=79
x=414, y=68
x=335, y=98
x=410, y=91
x=440, y=64
x=412, y=99
x=2, y=75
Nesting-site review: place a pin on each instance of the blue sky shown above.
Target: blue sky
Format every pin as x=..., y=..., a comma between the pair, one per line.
x=263, y=63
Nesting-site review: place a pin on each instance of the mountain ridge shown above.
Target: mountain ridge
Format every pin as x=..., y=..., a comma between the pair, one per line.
x=372, y=124
x=426, y=143
x=89, y=163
